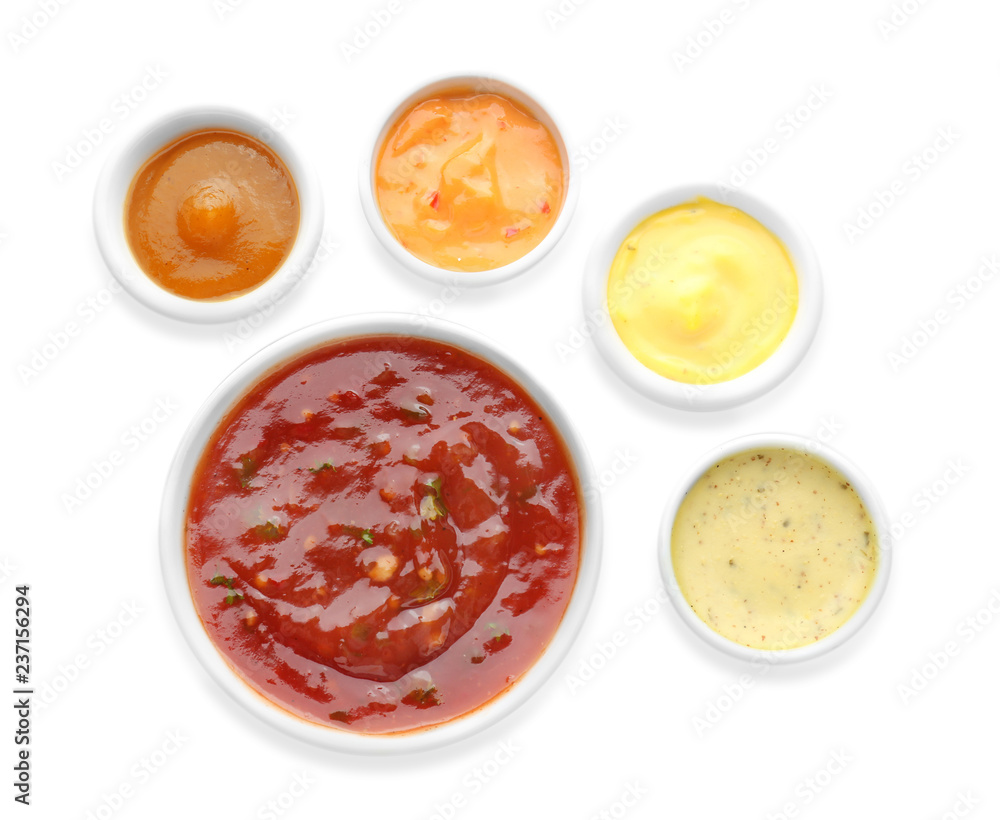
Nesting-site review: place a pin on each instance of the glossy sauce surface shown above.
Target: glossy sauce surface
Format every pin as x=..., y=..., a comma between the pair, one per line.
x=383, y=534
x=469, y=182
x=774, y=549
x=212, y=215
x=702, y=293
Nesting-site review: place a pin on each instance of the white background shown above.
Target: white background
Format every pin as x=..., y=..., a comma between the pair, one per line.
x=635, y=722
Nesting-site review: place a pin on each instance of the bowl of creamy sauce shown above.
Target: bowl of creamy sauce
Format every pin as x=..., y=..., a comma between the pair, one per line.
x=711, y=298
x=468, y=181
x=775, y=546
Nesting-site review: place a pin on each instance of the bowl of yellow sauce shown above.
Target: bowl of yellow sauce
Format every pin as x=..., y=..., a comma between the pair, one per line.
x=468, y=180
x=775, y=546
x=711, y=298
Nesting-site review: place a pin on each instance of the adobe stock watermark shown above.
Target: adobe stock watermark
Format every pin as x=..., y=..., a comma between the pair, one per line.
x=785, y=128
x=749, y=337
x=559, y=13
x=656, y=264
x=416, y=156
x=700, y=41
x=755, y=504
x=281, y=803
x=120, y=109
x=735, y=692
x=437, y=307
x=6, y=570
x=928, y=497
x=955, y=300
x=32, y=24
x=129, y=442
x=621, y=464
x=730, y=694
x=630, y=797
x=57, y=341
x=938, y=660
x=223, y=8
x=96, y=644
x=367, y=31
x=139, y=774
x=964, y=804
x=884, y=198
x=475, y=781
x=899, y=15
x=580, y=334
x=606, y=650
x=807, y=790
x=246, y=327
x=587, y=153
x=278, y=120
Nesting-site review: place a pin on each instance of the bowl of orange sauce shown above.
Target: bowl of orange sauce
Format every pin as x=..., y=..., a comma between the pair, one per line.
x=208, y=214
x=468, y=180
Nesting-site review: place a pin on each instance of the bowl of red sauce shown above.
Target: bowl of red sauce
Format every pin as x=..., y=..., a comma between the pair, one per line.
x=468, y=180
x=374, y=536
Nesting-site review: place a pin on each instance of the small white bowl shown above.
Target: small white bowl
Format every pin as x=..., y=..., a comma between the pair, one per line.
x=476, y=83
x=719, y=395
x=174, y=513
x=866, y=493
x=109, y=215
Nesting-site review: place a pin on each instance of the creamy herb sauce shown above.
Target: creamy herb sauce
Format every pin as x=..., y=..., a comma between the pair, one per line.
x=774, y=549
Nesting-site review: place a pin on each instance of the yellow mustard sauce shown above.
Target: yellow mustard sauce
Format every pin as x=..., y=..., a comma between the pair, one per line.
x=702, y=292
x=774, y=549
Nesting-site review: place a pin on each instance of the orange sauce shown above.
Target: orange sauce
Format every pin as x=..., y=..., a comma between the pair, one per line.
x=468, y=181
x=212, y=215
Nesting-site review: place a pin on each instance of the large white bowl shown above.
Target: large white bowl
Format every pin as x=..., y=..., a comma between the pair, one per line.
x=477, y=83
x=866, y=492
x=719, y=395
x=174, y=513
x=109, y=215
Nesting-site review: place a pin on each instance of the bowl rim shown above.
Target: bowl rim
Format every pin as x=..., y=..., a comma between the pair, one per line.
x=174, y=507
x=489, y=83
x=866, y=492
x=116, y=178
x=719, y=395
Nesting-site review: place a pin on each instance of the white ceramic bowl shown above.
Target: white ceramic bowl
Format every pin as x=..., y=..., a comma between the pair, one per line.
x=720, y=395
x=174, y=510
x=866, y=493
x=478, y=83
x=109, y=215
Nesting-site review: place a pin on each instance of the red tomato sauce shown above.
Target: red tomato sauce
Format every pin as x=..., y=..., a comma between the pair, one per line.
x=383, y=534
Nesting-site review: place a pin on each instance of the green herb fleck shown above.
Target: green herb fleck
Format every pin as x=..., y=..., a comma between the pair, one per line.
x=427, y=591
x=270, y=531
x=234, y=594
x=366, y=536
x=527, y=492
x=422, y=698
x=415, y=414
x=432, y=505
x=500, y=638
x=361, y=631
x=326, y=465
x=247, y=470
